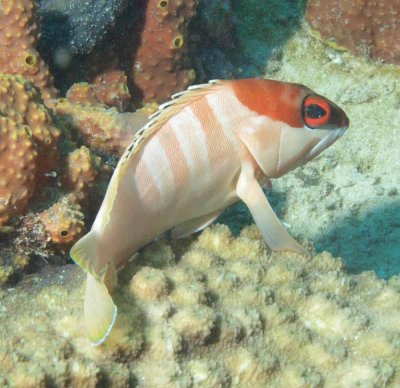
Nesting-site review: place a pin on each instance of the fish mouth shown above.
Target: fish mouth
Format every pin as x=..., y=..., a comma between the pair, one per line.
x=325, y=142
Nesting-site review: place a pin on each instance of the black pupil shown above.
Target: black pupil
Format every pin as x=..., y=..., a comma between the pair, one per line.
x=314, y=111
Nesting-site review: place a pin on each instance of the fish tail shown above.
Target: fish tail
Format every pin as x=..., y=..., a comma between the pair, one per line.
x=100, y=312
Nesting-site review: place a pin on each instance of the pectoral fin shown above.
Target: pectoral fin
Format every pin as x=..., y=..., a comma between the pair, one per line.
x=250, y=192
x=261, y=137
x=100, y=311
x=194, y=225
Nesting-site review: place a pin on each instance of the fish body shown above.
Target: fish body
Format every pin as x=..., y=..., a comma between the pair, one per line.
x=201, y=152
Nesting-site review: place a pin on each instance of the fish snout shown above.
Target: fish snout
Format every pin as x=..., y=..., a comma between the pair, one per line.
x=345, y=121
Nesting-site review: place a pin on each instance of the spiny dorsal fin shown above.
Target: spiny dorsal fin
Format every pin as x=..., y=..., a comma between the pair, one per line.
x=165, y=112
x=156, y=121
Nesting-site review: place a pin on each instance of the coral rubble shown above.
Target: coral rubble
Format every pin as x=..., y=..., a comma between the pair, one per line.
x=369, y=28
x=18, y=38
x=214, y=311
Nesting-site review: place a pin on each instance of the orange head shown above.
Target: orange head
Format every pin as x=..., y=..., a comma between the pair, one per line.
x=299, y=124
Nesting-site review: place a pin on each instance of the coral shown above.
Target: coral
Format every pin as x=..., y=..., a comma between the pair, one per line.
x=110, y=88
x=18, y=39
x=81, y=169
x=96, y=124
x=149, y=284
x=364, y=27
x=259, y=318
x=103, y=129
x=28, y=143
x=82, y=93
x=64, y=221
x=18, y=157
x=162, y=48
x=21, y=102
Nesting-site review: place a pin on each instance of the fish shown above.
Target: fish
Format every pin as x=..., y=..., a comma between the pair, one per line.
x=207, y=148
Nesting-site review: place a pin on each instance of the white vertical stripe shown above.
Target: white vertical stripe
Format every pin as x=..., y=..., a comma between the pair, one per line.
x=192, y=138
x=158, y=165
x=229, y=111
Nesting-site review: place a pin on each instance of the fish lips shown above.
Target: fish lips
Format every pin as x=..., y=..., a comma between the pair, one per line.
x=329, y=139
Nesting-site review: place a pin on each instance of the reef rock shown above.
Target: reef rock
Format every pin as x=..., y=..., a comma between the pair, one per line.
x=365, y=27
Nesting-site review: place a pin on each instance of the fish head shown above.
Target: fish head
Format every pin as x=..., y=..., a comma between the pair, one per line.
x=320, y=123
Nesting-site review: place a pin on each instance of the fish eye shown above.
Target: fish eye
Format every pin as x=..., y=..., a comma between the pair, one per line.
x=316, y=111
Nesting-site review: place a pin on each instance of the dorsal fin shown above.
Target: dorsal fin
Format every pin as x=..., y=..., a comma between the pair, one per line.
x=165, y=112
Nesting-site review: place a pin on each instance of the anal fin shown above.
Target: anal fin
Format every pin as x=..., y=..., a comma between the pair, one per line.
x=194, y=225
x=83, y=253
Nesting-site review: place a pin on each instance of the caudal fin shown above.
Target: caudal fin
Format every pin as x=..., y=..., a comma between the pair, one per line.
x=100, y=310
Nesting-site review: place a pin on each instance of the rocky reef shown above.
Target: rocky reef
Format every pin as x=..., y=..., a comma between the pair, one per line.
x=213, y=311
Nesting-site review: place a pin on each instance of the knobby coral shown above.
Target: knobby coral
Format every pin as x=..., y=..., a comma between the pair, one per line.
x=29, y=143
x=213, y=311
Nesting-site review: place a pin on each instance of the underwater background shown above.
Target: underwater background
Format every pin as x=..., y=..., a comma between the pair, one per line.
x=217, y=309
